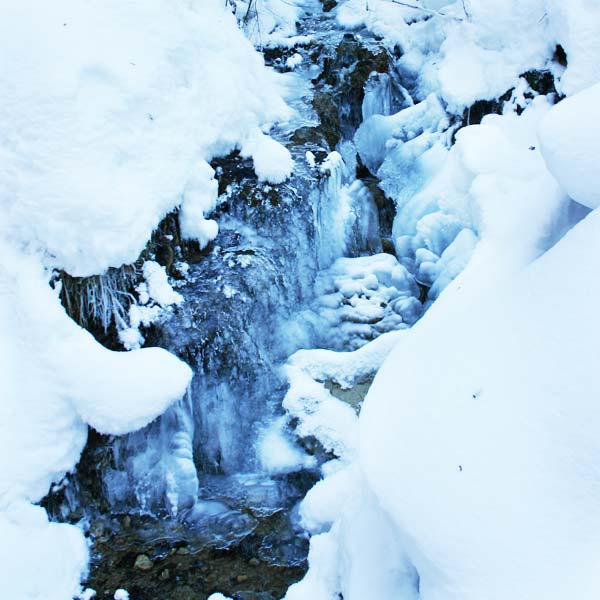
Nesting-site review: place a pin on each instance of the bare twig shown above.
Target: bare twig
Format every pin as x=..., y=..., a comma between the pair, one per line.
x=426, y=10
x=466, y=11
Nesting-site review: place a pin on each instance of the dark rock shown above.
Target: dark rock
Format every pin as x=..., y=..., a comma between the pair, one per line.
x=249, y=595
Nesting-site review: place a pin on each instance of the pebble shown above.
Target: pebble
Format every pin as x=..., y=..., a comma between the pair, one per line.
x=143, y=563
x=241, y=578
x=164, y=575
x=254, y=562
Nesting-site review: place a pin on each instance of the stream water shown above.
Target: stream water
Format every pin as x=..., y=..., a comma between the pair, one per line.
x=187, y=506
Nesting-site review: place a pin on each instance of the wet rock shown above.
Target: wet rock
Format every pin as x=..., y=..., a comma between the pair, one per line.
x=143, y=563
x=541, y=82
x=249, y=595
x=308, y=135
x=327, y=109
x=387, y=245
x=353, y=396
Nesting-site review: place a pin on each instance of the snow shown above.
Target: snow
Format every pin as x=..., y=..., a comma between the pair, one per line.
x=116, y=109
x=570, y=142
x=506, y=391
x=575, y=27
x=159, y=288
x=474, y=50
x=121, y=594
x=293, y=61
x=199, y=198
x=278, y=453
x=272, y=161
x=109, y=115
x=55, y=380
x=270, y=23
x=474, y=472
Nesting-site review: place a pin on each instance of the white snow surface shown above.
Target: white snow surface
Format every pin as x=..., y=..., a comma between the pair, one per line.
x=570, y=139
x=494, y=486
x=108, y=119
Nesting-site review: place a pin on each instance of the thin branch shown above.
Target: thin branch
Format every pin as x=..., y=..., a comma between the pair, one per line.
x=426, y=10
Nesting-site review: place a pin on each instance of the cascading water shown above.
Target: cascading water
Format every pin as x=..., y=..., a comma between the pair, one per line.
x=272, y=282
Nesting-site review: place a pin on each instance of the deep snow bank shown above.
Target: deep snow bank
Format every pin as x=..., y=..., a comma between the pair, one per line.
x=478, y=449
x=108, y=115
x=109, y=112
x=476, y=475
x=439, y=404
x=570, y=138
x=494, y=485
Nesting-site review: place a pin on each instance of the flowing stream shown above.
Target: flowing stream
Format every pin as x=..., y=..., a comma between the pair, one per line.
x=190, y=505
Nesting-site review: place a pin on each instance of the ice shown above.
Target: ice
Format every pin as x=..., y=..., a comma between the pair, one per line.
x=375, y=135
x=347, y=219
x=121, y=594
x=357, y=297
x=379, y=96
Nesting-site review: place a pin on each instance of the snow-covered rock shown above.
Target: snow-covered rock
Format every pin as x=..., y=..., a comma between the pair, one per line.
x=570, y=142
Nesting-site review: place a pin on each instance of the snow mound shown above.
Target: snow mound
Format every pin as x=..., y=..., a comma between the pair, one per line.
x=115, y=107
x=494, y=435
x=438, y=485
x=575, y=25
x=570, y=141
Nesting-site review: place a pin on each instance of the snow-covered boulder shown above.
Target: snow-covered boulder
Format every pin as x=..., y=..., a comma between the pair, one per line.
x=570, y=143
